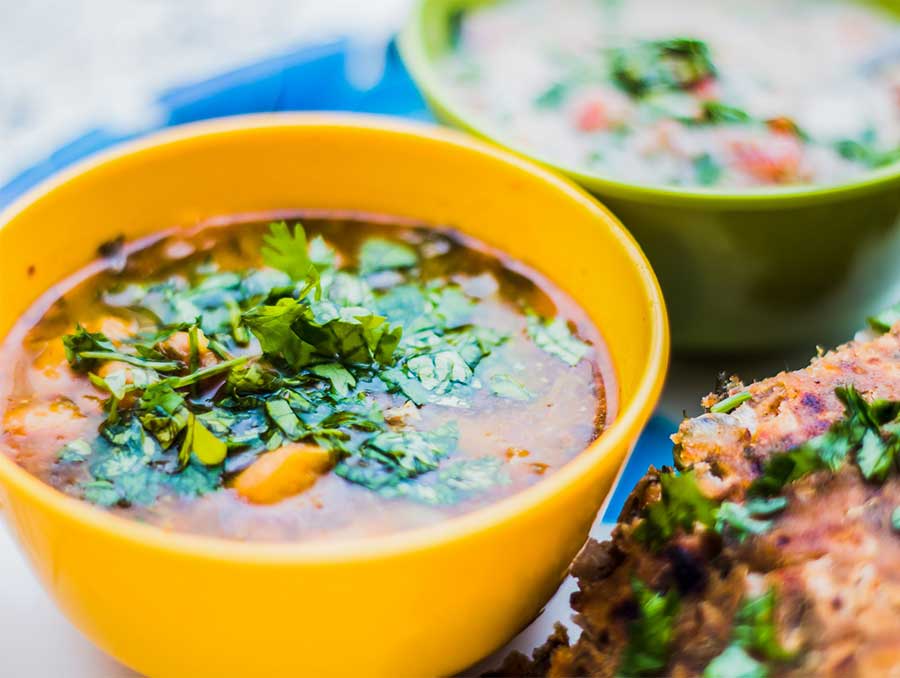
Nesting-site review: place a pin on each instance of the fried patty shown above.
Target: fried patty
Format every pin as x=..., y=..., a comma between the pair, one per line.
x=830, y=557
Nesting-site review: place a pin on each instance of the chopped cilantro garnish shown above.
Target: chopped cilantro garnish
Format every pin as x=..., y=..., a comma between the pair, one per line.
x=378, y=254
x=240, y=363
x=74, y=452
x=676, y=64
x=867, y=154
x=755, y=627
x=650, y=634
x=555, y=338
x=868, y=434
x=681, y=506
x=341, y=379
x=748, y=518
x=287, y=251
x=755, y=641
x=885, y=320
x=552, y=97
x=505, y=386
x=717, y=113
x=708, y=171
x=85, y=350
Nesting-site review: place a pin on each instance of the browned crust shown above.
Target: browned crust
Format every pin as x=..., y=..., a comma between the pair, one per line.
x=832, y=555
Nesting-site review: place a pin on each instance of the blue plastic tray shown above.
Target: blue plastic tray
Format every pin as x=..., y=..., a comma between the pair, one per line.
x=313, y=78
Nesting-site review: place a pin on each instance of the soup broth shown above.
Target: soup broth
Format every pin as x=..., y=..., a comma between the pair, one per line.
x=258, y=380
x=718, y=93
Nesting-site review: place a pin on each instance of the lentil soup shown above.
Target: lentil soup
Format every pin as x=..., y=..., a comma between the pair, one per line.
x=270, y=380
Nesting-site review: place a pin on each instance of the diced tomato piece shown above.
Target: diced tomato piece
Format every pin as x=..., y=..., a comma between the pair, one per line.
x=777, y=162
x=783, y=125
x=707, y=90
x=592, y=116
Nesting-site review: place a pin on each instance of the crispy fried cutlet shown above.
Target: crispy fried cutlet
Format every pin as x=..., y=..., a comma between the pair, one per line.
x=775, y=551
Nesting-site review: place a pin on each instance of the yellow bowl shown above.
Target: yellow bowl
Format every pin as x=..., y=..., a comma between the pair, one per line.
x=424, y=602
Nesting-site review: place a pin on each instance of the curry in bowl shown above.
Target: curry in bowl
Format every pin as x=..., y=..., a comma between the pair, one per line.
x=704, y=93
x=286, y=380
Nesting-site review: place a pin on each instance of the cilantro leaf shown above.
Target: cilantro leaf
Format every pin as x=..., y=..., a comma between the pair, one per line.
x=866, y=154
x=786, y=467
x=283, y=415
x=287, y=251
x=553, y=97
x=74, y=452
x=868, y=432
x=755, y=627
x=875, y=457
x=291, y=331
x=650, y=635
x=379, y=254
x=253, y=378
x=717, y=113
x=341, y=380
x=86, y=350
x=505, y=386
x=436, y=372
x=555, y=337
x=884, y=321
x=82, y=341
x=708, y=171
x=162, y=412
x=391, y=457
x=272, y=325
x=659, y=65
x=101, y=492
x=681, y=506
x=748, y=518
x=453, y=483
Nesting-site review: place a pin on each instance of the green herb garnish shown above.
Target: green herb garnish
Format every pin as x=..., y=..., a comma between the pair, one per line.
x=755, y=642
x=676, y=64
x=867, y=154
x=552, y=97
x=241, y=363
x=868, y=434
x=750, y=518
x=681, y=506
x=650, y=635
x=708, y=171
x=555, y=338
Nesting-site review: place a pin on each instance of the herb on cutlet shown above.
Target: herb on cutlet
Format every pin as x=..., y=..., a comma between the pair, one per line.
x=650, y=634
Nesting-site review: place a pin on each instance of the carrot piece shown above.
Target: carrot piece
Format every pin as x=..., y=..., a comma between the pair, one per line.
x=282, y=473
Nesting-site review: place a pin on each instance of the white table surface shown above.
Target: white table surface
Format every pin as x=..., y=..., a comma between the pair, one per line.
x=36, y=641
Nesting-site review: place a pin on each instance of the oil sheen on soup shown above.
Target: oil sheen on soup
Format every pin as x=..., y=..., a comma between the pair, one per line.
x=716, y=93
x=315, y=377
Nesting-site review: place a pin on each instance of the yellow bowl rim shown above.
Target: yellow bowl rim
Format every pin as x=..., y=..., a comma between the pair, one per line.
x=630, y=418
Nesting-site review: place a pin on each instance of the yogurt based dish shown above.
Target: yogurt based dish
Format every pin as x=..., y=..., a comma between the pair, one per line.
x=708, y=93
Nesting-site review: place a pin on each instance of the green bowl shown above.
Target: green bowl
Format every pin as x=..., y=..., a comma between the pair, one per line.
x=754, y=270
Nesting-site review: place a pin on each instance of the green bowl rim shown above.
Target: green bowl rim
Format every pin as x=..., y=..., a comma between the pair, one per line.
x=414, y=52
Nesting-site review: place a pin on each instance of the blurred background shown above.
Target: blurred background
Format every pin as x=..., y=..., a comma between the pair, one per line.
x=73, y=65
